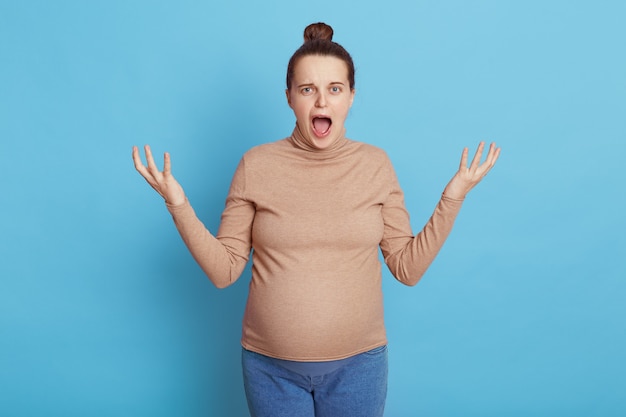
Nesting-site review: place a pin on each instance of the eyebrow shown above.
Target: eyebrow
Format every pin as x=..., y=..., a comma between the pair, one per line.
x=313, y=84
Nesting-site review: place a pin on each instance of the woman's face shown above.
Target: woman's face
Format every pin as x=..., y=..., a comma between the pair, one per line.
x=320, y=97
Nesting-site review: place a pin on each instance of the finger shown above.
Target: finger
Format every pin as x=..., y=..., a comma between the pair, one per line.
x=136, y=158
x=496, y=154
x=492, y=155
x=139, y=166
x=167, y=164
x=463, y=164
x=143, y=171
x=490, y=161
x=477, y=156
x=151, y=165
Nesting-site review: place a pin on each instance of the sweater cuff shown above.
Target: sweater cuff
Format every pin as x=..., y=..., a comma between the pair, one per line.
x=445, y=197
x=176, y=208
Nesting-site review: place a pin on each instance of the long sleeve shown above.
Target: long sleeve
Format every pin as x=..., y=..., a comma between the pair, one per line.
x=222, y=257
x=313, y=223
x=407, y=256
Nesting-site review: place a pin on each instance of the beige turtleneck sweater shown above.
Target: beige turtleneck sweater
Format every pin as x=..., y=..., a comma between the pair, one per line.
x=315, y=220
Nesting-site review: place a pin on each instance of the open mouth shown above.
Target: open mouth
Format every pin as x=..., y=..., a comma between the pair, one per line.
x=321, y=126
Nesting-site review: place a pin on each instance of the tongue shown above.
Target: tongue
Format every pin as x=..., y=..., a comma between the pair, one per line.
x=321, y=125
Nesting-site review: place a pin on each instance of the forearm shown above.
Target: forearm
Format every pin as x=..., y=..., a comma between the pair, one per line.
x=222, y=264
x=409, y=263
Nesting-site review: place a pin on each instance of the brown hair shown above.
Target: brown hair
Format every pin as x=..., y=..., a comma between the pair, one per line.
x=318, y=40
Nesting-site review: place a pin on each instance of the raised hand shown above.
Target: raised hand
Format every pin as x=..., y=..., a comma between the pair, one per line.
x=467, y=177
x=164, y=182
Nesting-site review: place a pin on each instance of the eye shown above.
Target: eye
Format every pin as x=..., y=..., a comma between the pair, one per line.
x=306, y=91
x=335, y=89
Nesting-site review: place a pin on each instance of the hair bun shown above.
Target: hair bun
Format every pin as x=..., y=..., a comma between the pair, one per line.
x=318, y=31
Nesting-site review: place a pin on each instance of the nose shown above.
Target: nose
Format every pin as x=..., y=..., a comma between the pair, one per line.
x=321, y=100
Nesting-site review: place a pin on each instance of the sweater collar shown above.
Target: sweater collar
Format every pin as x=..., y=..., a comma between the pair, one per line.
x=299, y=140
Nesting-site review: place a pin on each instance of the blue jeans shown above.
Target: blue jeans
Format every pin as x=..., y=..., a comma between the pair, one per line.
x=356, y=389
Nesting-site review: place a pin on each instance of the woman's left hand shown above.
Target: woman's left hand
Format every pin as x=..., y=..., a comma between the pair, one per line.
x=467, y=177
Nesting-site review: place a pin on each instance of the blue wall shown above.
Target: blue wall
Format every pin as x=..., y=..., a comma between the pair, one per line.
x=104, y=313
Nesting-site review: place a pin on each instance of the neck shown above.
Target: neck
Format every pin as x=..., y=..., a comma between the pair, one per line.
x=302, y=142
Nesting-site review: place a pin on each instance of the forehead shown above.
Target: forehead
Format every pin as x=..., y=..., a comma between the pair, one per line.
x=321, y=68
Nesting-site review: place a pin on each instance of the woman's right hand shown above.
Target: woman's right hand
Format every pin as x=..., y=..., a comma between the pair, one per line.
x=164, y=182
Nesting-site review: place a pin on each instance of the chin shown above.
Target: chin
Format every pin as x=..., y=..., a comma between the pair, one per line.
x=323, y=143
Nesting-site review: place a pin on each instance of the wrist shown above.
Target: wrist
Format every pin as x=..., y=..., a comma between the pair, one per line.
x=453, y=197
x=177, y=201
x=452, y=193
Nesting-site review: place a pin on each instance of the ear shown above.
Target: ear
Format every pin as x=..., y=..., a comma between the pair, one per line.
x=352, y=93
x=288, y=97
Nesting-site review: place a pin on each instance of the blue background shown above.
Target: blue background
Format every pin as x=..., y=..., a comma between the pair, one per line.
x=104, y=313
